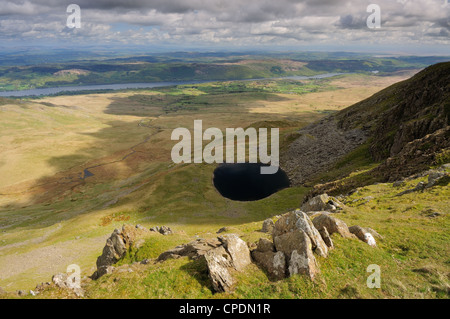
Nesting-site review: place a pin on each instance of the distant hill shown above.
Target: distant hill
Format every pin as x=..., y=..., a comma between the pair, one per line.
x=71, y=71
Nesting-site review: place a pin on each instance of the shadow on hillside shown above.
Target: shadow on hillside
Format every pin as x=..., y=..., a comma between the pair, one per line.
x=145, y=105
x=198, y=270
x=52, y=199
x=69, y=192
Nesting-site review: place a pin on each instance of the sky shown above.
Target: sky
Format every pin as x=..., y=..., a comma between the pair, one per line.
x=418, y=26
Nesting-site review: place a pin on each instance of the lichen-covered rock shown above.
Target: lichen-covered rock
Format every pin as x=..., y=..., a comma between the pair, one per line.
x=274, y=263
x=113, y=251
x=103, y=270
x=63, y=281
x=303, y=263
x=332, y=224
x=314, y=214
x=294, y=240
x=265, y=245
x=319, y=202
x=223, y=255
x=298, y=220
x=60, y=280
x=238, y=250
x=219, y=262
x=117, y=246
x=193, y=249
x=130, y=233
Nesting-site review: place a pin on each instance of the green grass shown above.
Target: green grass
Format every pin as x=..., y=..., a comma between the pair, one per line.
x=413, y=257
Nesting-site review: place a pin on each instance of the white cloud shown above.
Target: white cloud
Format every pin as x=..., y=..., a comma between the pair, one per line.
x=234, y=22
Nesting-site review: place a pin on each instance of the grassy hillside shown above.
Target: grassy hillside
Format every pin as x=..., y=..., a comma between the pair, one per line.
x=413, y=256
x=53, y=214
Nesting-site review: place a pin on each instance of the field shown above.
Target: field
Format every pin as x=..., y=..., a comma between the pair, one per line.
x=75, y=167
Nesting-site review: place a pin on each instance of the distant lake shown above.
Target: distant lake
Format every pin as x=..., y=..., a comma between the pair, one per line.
x=123, y=86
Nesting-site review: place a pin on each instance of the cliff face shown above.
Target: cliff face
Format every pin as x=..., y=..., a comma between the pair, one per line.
x=402, y=113
x=387, y=121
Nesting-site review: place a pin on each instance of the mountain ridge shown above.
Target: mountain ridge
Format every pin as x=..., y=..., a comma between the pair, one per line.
x=380, y=126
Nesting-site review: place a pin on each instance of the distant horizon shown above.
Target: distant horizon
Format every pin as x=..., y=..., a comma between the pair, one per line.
x=402, y=27
x=151, y=50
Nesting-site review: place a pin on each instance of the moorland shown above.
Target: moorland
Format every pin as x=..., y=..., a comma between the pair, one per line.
x=75, y=166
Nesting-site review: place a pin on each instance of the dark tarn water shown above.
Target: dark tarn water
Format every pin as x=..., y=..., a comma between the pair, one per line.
x=244, y=181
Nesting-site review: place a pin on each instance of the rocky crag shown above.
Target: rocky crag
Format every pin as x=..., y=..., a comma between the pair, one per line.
x=405, y=128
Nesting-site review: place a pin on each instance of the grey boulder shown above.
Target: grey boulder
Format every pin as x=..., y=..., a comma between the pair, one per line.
x=298, y=220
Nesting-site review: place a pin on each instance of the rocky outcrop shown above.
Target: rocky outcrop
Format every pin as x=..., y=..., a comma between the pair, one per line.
x=435, y=177
x=163, y=230
x=332, y=224
x=365, y=234
x=416, y=156
x=291, y=252
x=321, y=202
x=326, y=237
x=232, y=255
x=412, y=109
x=193, y=249
x=219, y=264
x=265, y=245
x=298, y=220
x=268, y=226
x=296, y=237
x=222, y=230
x=63, y=281
x=274, y=263
x=418, y=188
x=116, y=247
x=223, y=256
x=238, y=251
x=303, y=263
x=295, y=240
x=113, y=251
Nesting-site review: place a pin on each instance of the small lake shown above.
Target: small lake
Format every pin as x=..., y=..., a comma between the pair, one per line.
x=124, y=86
x=244, y=181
